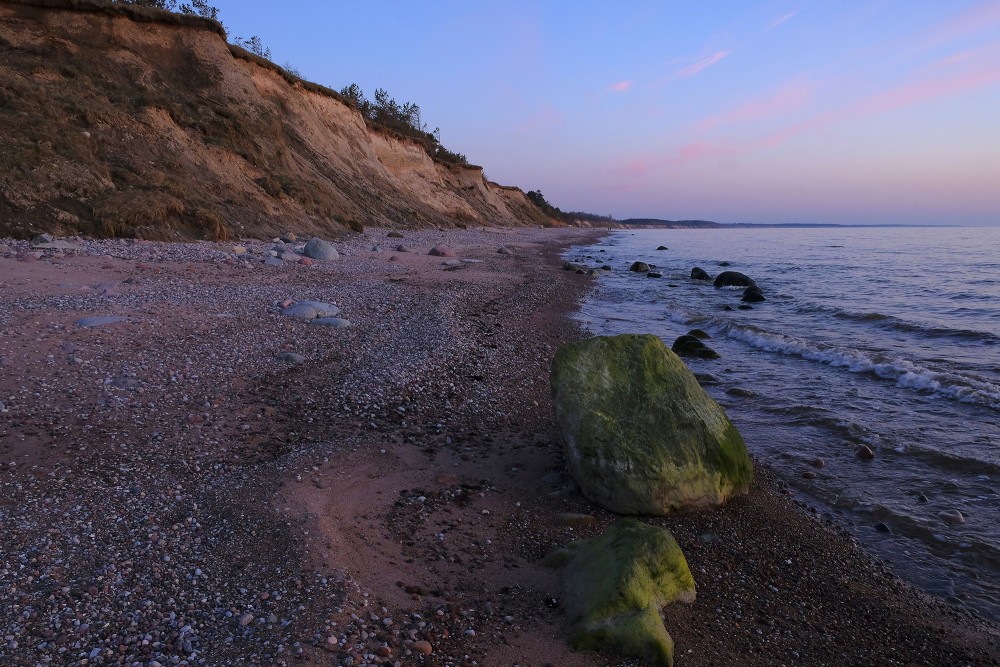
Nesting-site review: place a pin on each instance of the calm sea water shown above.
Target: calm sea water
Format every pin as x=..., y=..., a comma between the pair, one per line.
x=887, y=337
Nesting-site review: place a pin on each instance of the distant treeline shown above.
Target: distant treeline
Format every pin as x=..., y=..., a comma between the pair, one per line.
x=655, y=222
x=538, y=199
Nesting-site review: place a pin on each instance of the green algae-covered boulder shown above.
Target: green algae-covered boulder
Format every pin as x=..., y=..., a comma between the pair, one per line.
x=641, y=435
x=615, y=586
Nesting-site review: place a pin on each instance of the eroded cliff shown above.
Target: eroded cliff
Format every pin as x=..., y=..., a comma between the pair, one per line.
x=135, y=123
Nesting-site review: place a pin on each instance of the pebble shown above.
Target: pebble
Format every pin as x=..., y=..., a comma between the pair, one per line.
x=422, y=647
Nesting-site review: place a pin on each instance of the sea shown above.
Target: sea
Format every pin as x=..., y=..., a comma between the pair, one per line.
x=887, y=337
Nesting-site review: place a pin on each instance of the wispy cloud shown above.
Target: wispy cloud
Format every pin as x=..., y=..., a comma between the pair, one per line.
x=702, y=64
x=621, y=86
x=787, y=99
x=977, y=19
x=781, y=19
x=934, y=83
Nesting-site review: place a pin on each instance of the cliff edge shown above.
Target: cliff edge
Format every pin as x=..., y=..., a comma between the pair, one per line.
x=119, y=121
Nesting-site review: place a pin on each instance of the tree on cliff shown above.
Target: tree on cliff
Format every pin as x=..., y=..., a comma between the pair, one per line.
x=194, y=8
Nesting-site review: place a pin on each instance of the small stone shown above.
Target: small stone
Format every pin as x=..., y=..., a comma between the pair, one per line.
x=273, y=261
x=504, y=250
x=952, y=517
x=441, y=251
x=333, y=322
x=817, y=462
x=291, y=358
x=864, y=452
x=319, y=249
x=99, y=321
x=246, y=619
x=422, y=647
x=809, y=474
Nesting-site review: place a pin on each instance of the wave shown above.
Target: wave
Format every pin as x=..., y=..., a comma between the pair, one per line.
x=893, y=323
x=905, y=373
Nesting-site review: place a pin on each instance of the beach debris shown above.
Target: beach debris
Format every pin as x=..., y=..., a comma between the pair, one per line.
x=753, y=294
x=317, y=248
x=639, y=267
x=698, y=273
x=733, y=279
x=615, y=586
x=641, y=435
x=691, y=346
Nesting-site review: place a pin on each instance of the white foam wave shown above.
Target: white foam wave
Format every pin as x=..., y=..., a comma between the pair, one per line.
x=905, y=373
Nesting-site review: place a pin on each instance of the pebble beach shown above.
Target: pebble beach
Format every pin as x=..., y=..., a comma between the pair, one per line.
x=190, y=475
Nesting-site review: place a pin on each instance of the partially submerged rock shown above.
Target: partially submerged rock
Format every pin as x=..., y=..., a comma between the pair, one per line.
x=615, y=586
x=698, y=273
x=753, y=294
x=639, y=267
x=641, y=435
x=733, y=279
x=689, y=345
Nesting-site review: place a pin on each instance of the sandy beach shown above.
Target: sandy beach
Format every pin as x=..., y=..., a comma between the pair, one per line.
x=193, y=478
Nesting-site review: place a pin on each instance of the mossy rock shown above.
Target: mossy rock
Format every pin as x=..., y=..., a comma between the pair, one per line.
x=641, y=435
x=615, y=586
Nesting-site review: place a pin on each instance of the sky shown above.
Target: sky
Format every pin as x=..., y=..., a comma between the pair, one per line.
x=780, y=111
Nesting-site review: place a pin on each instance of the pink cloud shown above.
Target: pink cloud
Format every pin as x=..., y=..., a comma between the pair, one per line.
x=788, y=98
x=621, y=86
x=976, y=19
x=702, y=64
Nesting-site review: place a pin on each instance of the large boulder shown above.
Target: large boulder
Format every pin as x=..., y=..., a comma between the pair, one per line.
x=615, y=586
x=641, y=435
x=321, y=250
x=698, y=273
x=639, y=267
x=733, y=279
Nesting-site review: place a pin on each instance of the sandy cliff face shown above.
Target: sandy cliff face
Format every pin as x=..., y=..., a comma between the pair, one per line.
x=114, y=126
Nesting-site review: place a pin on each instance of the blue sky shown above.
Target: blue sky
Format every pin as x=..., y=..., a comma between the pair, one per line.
x=775, y=111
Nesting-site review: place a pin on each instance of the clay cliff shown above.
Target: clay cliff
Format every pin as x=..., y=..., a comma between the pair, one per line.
x=117, y=121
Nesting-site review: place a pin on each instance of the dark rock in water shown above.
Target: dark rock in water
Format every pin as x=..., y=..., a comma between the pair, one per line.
x=753, y=294
x=817, y=462
x=698, y=273
x=580, y=272
x=809, y=474
x=592, y=272
x=639, y=267
x=568, y=266
x=699, y=333
x=707, y=379
x=864, y=452
x=733, y=279
x=744, y=307
x=654, y=274
x=663, y=247
x=741, y=392
x=724, y=264
x=883, y=527
x=922, y=498
x=689, y=346
x=605, y=268
x=727, y=308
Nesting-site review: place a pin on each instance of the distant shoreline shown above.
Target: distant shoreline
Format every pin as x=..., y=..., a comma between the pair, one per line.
x=707, y=224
